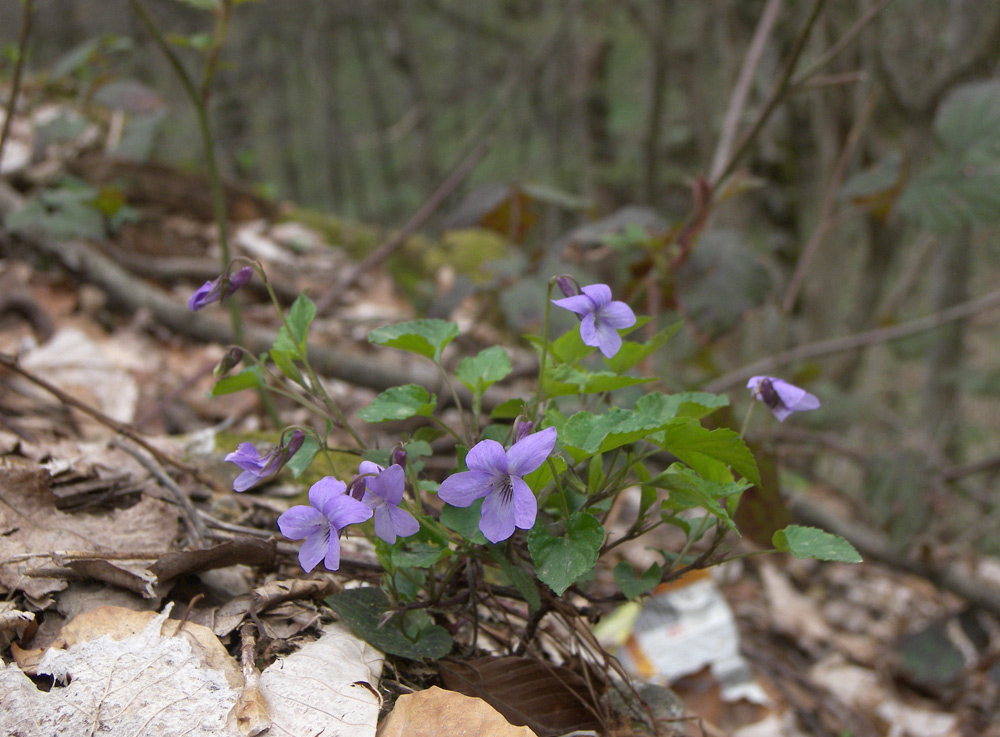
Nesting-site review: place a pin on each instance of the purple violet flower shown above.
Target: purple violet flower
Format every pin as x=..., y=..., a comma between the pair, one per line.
x=383, y=493
x=257, y=466
x=211, y=291
x=781, y=397
x=601, y=318
x=320, y=524
x=496, y=475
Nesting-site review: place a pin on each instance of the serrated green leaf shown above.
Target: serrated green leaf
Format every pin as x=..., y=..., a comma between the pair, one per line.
x=399, y=403
x=249, y=378
x=634, y=586
x=481, y=372
x=560, y=561
x=688, y=489
x=566, y=380
x=632, y=354
x=662, y=407
x=300, y=316
x=427, y=338
x=811, y=542
x=695, y=445
x=508, y=410
x=361, y=609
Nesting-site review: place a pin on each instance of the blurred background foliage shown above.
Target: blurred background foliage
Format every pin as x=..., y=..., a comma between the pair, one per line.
x=868, y=197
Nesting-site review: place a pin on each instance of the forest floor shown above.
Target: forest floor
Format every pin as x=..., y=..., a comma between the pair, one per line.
x=113, y=493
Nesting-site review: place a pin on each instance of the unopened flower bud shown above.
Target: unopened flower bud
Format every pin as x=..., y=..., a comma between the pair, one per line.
x=522, y=429
x=230, y=361
x=399, y=457
x=567, y=285
x=767, y=394
x=240, y=279
x=357, y=488
x=294, y=443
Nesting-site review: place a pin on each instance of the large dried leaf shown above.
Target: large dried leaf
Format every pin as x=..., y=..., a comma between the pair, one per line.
x=31, y=529
x=549, y=699
x=329, y=687
x=164, y=682
x=141, y=684
x=434, y=712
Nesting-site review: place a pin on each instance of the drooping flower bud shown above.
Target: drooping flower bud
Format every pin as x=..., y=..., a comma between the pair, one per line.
x=522, y=428
x=357, y=488
x=230, y=361
x=294, y=443
x=767, y=394
x=399, y=457
x=567, y=285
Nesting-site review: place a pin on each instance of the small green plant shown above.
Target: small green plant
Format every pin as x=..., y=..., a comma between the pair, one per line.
x=522, y=516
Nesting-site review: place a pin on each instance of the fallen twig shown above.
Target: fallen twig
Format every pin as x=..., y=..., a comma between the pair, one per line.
x=196, y=527
x=988, y=301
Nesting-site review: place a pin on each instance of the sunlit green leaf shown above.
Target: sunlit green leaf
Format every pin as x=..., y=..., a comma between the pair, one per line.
x=811, y=542
x=425, y=337
x=399, y=403
x=479, y=373
x=560, y=561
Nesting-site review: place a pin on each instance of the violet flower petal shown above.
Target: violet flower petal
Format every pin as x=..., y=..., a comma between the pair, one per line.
x=617, y=315
x=344, y=510
x=599, y=293
x=404, y=523
x=325, y=489
x=581, y=304
x=332, y=559
x=383, y=524
x=606, y=338
x=497, y=522
x=300, y=522
x=525, y=504
x=487, y=456
x=388, y=485
x=528, y=454
x=314, y=549
x=463, y=488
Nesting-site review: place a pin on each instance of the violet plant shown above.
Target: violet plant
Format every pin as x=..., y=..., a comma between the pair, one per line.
x=522, y=515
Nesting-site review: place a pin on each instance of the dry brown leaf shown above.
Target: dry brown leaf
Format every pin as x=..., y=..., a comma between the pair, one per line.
x=436, y=712
x=32, y=530
x=119, y=623
x=327, y=687
x=549, y=699
x=226, y=618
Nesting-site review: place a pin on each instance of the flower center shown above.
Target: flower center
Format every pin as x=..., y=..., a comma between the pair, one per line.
x=505, y=489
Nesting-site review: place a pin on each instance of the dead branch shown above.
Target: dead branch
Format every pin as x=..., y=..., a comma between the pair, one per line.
x=873, y=546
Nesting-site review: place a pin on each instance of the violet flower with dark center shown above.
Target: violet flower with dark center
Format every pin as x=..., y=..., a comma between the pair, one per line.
x=495, y=476
x=257, y=466
x=211, y=291
x=781, y=397
x=383, y=493
x=600, y=317
x=321, y=523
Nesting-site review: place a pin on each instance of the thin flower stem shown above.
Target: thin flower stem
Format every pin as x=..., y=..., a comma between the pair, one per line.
x=318, y=387
x=545, y=348
x=690, y=541
x=746, y=420
x=458, y=402
x=15, y=85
